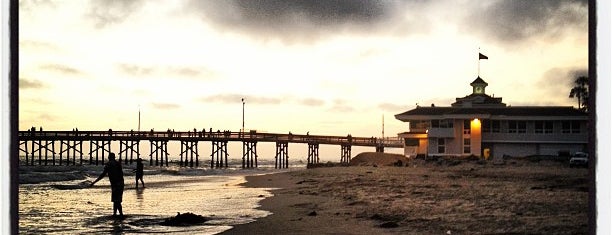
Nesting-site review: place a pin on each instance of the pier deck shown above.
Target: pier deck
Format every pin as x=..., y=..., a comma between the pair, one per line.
x=34, y=142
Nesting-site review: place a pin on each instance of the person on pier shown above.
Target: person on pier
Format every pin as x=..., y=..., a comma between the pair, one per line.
x=115, y=176
x=139, y=172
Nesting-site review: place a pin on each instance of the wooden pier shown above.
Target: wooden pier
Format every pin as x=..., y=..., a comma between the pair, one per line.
x=39, y=147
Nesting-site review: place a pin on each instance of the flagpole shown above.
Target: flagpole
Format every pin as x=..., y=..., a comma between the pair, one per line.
x=138, y=118
x=478, y=61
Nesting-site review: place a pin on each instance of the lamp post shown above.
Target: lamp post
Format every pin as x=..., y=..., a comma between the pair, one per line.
x=242, y=117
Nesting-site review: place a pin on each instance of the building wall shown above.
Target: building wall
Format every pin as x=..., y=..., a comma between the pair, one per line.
x=528, y=149
x=502, y=142
x=500, y=150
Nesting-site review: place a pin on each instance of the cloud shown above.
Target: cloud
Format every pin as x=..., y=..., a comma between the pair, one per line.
x=37, y=45
x=109, y=12
x=341, y=106
x=35, y=100
x=511, y=21
x=25, y=83
x=190, y=72
x=235, y=98
x=307, y=20
x=47, y=117
x=560, y=80
x=28, y=5
x=311, y=102
x=392, y=107
x=249, y=99
x=61, y=69
x=135, y=70
x=165, y=106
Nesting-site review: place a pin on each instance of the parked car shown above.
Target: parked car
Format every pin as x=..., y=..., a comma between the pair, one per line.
x=579, y=159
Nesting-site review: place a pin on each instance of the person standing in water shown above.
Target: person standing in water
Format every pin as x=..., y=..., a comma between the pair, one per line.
x=115, y=176
x=139, y=172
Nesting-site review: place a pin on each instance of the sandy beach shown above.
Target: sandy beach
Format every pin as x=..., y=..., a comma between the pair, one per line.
x=437, y=197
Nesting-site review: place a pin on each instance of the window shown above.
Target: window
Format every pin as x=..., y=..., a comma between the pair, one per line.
x=466, y=146
x=421, y=125
x=442, y=123
x=411, y=142
x=575, y=126
x=570, y=127
x=495, y=126
x=522, y=126
x=466, y=126
x=490, y=126
x=512, y=127
x=543, y=127
x=517, y=126
x=441, y=145
x=486, y=126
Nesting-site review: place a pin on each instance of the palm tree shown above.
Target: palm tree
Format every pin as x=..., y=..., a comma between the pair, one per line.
x=581, y=91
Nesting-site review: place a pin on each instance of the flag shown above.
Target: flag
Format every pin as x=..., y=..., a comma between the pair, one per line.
x=482, y=57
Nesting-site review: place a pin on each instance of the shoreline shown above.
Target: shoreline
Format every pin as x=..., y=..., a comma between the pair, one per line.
x=426, y=198
x=295, y=212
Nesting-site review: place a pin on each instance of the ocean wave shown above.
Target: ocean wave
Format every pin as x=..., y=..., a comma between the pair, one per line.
x=47, y=174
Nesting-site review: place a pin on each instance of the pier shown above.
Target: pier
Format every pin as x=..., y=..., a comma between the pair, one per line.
x=40, y=147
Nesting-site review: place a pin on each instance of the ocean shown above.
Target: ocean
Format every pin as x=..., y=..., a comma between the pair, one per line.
x=58, y=199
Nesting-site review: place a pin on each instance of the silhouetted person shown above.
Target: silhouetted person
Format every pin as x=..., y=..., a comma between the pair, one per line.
x=115, y=176
x=139, y=172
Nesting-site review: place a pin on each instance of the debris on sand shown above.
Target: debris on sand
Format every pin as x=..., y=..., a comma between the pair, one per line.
x=185, y=219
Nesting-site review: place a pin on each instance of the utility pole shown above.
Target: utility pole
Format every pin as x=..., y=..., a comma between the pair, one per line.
x=383, y=126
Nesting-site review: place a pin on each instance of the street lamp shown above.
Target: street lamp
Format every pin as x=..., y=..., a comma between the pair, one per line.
x=242, y=116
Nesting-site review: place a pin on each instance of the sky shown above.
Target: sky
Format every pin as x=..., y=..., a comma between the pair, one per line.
x=333, y=67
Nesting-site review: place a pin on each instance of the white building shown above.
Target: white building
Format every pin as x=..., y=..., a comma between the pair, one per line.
x=481, y=125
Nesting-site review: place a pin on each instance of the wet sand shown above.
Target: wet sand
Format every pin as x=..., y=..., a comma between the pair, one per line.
x=445, y=197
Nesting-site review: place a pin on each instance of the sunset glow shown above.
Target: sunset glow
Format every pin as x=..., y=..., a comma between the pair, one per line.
x=302, y=67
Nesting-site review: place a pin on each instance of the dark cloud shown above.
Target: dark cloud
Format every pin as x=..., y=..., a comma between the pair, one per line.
x=575, y=73
x=165, y=106
x=559, y=81
x=61, y=69
x=304, y=20
x=515, y=20
x=235, y=98
x=108, y=12
x=30, y=84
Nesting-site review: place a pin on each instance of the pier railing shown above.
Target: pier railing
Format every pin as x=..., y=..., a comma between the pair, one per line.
x=43, y=143
x=393, y=142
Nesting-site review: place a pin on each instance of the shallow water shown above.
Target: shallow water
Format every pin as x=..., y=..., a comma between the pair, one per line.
x=67, y=207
